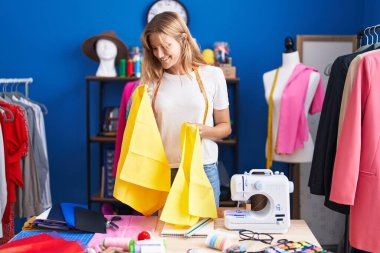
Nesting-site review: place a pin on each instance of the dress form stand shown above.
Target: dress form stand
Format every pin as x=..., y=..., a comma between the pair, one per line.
x=290, y=59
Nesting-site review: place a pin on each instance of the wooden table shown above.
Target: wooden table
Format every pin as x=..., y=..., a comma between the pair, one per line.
x=299, y=231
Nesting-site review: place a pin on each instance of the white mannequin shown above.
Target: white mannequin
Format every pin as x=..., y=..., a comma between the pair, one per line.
x=289, y=62
x=107, y=52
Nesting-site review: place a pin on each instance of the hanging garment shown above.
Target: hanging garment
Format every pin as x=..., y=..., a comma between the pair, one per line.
x=191, y=195
x=326, y=141
x=350, y=78
x=8, y=226
x=293, y=128
x=357, y=165
x=143, y=172
x=29, y=196
x=15, y=136
x=122, y=121
x=3, y=182
x=41, y=155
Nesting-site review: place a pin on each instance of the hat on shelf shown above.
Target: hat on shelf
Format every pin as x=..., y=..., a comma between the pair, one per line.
x=89, y=46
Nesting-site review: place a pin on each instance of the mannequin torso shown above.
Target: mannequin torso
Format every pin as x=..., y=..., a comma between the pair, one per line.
x=107, y=52
x=290, y=61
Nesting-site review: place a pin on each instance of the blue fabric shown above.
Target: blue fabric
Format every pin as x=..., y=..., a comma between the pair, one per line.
x=68, y=211
x=212, y=173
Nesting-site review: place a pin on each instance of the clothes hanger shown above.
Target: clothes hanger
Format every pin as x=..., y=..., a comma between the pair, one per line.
x=3, y=110
x=366, y=45
x=18, y=94
x=377, y=44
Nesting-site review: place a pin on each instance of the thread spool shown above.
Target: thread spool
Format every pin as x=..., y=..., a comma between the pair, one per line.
x=122, y=68
x=218, y=241
x=130, y=68
x=117, y=242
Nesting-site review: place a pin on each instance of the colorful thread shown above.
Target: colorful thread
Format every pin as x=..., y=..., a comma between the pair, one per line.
x=217, y=241
x=118, y=242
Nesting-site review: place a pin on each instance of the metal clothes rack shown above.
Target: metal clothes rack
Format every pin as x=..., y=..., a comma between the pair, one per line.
x=27, y=81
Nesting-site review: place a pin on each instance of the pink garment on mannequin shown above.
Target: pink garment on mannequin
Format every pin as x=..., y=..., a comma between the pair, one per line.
x=293, y=129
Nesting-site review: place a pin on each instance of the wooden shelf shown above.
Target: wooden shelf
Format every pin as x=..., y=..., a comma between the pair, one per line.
x=111, y=139
x=227, y=203
x=100, y=138
x=227, y=142
x=97, y=198
x=233, y=80
x=116, y=78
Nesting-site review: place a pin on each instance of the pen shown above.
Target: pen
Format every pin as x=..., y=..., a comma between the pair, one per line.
x=197, y=226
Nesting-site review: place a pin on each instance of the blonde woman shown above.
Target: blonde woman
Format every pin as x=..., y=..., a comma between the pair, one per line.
x=184, y=88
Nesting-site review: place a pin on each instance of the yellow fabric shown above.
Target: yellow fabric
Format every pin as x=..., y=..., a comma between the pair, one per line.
x=191, y=195
x=270, y=119
x=143, y=172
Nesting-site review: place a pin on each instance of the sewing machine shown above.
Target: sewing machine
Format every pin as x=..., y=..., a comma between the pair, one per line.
x=275, y=216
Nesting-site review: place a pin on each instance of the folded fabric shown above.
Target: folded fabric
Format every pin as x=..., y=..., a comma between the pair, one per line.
x=89, y=221
x=143, y=172
x=68, y=211
x=41, y=243
x=191, y=195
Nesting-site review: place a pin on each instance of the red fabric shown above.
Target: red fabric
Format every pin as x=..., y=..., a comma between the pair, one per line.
x=122, y=121
x=15, y=134
x=41, y=243
x=8, y=227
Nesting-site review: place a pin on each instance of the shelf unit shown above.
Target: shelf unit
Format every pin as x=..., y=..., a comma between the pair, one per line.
x=100, y=140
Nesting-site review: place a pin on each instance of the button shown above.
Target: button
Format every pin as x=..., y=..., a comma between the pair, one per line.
x=259, y=185
x=277, y=173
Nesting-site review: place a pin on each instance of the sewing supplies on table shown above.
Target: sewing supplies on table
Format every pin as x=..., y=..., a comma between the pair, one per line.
x=290, y=246
x=133, y=246
x=221, y=242
x=111, y=222
x=197, y=226
x=144, y=235
x=275, y=216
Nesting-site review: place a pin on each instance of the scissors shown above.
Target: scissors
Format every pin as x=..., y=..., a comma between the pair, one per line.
x=111, y=222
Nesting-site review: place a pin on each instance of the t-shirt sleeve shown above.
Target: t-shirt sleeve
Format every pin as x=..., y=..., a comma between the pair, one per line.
x=221, y=94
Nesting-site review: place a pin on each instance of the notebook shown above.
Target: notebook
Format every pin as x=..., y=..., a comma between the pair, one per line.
x=170, y=231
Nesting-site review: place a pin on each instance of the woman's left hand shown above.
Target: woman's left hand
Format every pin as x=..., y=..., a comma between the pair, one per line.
x=203, y=130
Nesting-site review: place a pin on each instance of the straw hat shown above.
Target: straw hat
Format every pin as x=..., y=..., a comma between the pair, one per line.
x=89, y=46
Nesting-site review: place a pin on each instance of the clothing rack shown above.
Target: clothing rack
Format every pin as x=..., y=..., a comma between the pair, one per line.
x=18, y=80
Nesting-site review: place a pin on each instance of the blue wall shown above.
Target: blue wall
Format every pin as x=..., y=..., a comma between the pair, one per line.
x=371, y=13
x=42, y=39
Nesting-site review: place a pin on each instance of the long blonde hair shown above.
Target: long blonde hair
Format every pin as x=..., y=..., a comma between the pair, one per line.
x=170, y=24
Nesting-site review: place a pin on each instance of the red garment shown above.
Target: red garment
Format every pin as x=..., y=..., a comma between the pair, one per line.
x=15, y=135
x=8, y=227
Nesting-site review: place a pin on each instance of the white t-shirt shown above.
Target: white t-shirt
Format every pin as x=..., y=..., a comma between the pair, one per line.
x=179, y=99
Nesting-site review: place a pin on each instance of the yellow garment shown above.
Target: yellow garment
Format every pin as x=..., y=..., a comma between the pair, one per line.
x=143, y=172
x=270, y=119
x=191, y=195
